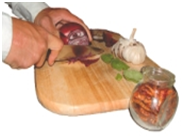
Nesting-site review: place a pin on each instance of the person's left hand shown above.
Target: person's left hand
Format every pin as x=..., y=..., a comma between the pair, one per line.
x=49, y=17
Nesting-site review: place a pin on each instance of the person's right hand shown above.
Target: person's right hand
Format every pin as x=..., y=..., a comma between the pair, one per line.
x=30, y=44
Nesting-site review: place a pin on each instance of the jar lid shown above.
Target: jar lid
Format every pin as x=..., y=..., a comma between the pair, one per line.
x=158, y=75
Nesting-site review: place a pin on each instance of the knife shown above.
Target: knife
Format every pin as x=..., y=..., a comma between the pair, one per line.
x=73, y=53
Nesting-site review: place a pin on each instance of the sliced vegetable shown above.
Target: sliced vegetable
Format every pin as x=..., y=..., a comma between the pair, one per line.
x=73, y=34
x=119, y=77
x=107, y=58
x=119, y=65
x=132, y=75
x=108, y=38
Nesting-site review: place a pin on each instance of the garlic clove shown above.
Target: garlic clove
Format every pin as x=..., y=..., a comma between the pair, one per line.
x=129, y=49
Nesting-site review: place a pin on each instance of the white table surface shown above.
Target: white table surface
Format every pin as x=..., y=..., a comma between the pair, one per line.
x=160, y=27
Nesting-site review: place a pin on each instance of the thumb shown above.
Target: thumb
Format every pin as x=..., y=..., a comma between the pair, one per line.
x=55, y=45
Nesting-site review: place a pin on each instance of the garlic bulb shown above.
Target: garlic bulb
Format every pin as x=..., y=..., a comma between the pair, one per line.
x=131, y=50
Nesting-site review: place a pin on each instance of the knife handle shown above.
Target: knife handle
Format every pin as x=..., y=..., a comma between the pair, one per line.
x=48, y=54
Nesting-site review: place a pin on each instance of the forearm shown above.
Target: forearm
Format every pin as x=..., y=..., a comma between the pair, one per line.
x=27, y=10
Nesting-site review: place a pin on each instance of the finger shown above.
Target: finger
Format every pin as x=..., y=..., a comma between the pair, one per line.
x=60, y=24
x=82, y=24
x=55, y=45
x=52, y=57
x=87, y=31
x=86, y=28
x=69, y=17
x=42, y=60
x=48, y=25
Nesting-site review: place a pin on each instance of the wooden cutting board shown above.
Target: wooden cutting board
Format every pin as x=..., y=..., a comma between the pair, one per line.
x=74, y=89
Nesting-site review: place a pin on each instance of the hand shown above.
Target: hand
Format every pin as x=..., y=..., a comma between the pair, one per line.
x=30, y=45
x=49, y=17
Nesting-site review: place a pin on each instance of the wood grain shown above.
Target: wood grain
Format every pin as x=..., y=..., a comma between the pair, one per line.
x=74, y=89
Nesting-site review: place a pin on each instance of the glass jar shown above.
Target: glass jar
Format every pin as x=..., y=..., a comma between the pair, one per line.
x=154, y=100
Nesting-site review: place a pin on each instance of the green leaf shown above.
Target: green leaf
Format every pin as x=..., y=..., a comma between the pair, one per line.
x=119, y=65
x=107, y=58
x=133, y=75
x=119, y=77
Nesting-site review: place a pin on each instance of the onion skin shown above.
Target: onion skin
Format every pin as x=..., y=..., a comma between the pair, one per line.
x=73, y=34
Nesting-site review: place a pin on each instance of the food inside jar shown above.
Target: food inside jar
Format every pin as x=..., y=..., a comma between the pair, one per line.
x=154, y=105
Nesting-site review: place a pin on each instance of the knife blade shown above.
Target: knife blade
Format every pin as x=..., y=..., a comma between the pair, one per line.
x=74, y=53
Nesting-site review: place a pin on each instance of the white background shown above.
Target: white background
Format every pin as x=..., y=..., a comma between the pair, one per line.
x=160, y=27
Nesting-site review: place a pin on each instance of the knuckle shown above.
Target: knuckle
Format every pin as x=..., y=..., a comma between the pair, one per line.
x=42, y=46
x=36, y=57
x=59, y=44
x=44, y=20
x=64, y=9
x=26, y=64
